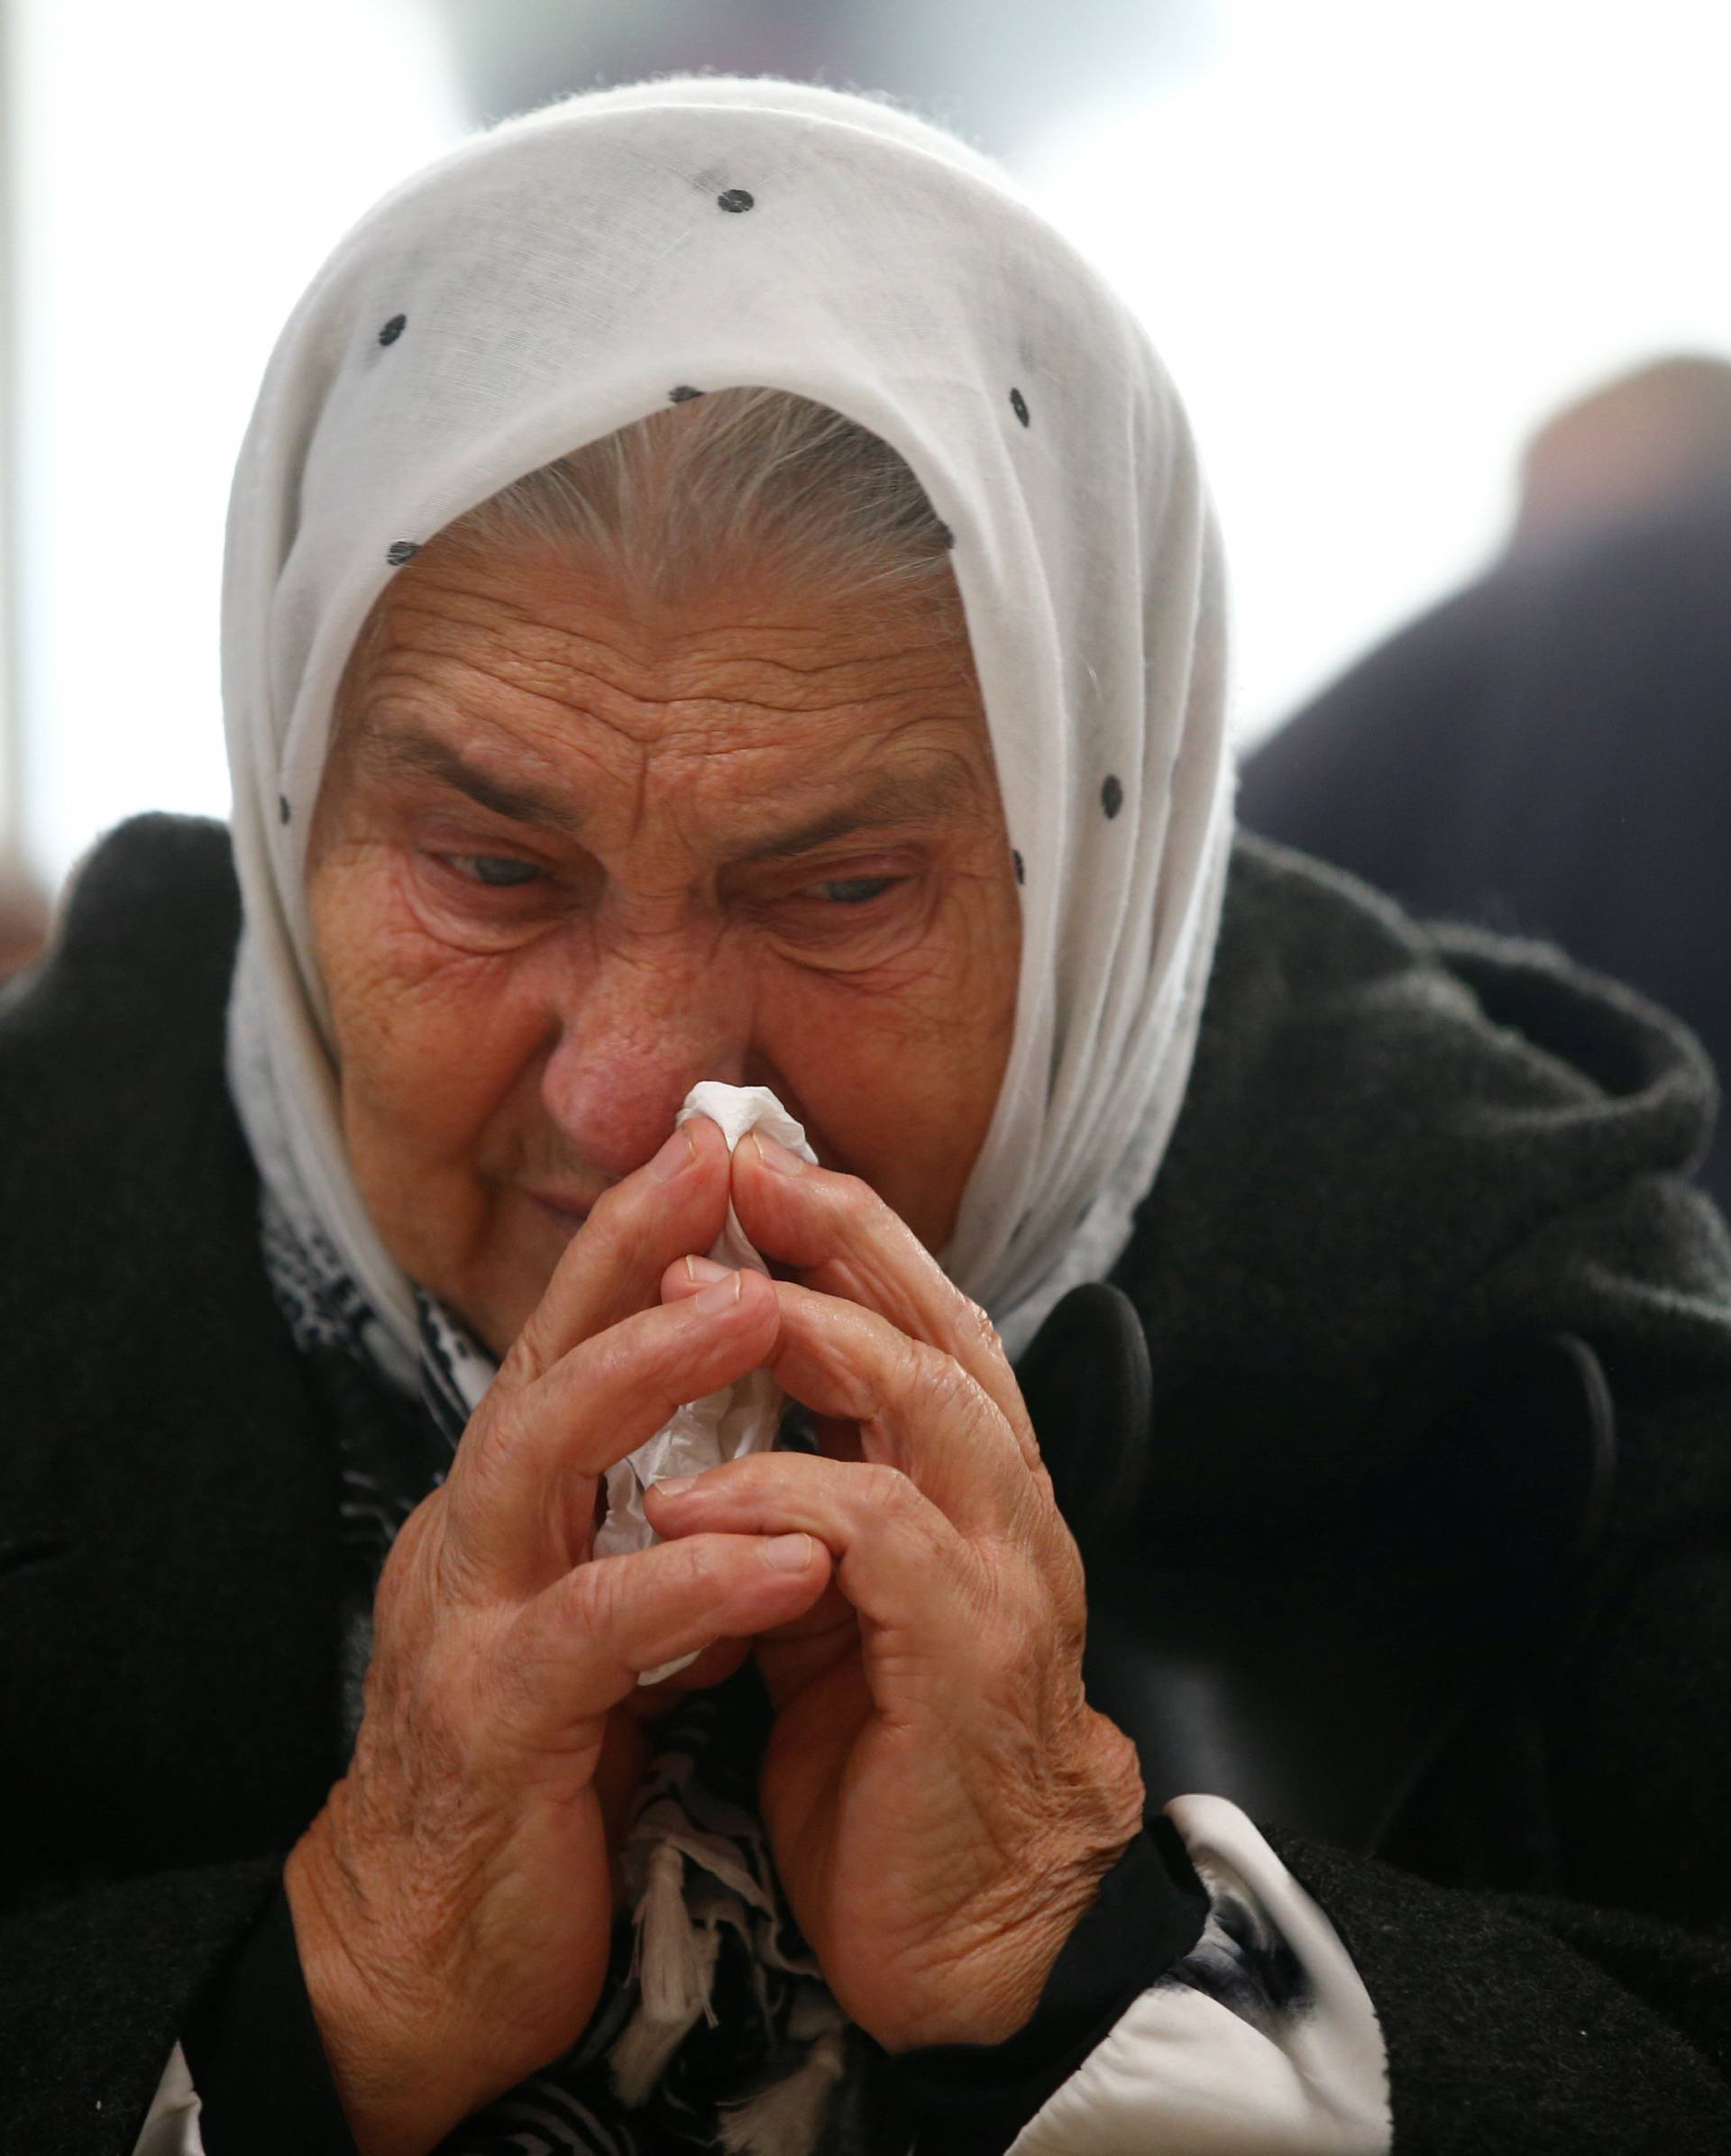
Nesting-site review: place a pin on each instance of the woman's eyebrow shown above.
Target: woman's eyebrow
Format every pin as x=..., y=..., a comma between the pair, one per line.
x=917, y=792
x=401, y=748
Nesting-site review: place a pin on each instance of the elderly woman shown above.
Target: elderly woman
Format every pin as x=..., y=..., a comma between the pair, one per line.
x=720, y=597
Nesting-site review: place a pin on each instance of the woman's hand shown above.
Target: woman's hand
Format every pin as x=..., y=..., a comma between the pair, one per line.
x=452, y=1903
x=941, y=1800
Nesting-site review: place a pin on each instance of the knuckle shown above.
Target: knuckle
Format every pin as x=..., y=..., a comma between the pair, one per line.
x=851, y=1193
x=612, y=1215
x=494, y=1430
x=1032, y=1614
x=597, y=1602
x=940, y=1382
x=426, y=1611
x=890, y=1493
x=1050, y=1603
x=637, y=1361
x=528, y=1359
x=856, y=1207
x=1035, y=1521
x=408, y=1593
x=744, y=1479
x=994, y=1639
x=472, y=1495
x=976, y=1323
x=704, y=1567
x=918, y=1370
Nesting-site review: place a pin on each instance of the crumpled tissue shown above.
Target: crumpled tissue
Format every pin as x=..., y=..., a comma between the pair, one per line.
x=744, y=1417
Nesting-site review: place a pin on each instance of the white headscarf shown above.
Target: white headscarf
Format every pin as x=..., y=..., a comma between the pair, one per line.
x=557, y=278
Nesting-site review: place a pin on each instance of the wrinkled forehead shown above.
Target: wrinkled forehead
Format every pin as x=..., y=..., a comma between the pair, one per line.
x=766, y=713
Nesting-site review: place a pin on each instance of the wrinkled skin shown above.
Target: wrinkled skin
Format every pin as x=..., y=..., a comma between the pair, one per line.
x=508, y=1050
x=572, y=854
x=940, y=1798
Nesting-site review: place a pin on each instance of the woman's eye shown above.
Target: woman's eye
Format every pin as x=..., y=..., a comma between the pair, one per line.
x=855, y=891
x=498, y=872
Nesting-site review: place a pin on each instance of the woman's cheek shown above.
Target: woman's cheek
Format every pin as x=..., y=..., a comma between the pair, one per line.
x=410, y=1012
x=886, y=1070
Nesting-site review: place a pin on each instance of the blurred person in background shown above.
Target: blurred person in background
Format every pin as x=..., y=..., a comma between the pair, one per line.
x=1651, y=440
x=718, y=589
x=24, y=922
x=1549, y=752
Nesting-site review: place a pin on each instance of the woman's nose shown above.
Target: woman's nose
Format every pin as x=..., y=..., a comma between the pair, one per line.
x=636, y=1030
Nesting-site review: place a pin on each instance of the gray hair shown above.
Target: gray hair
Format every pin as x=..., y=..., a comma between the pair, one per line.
x=736, y=475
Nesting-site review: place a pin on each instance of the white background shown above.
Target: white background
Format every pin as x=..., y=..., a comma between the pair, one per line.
x=1376, y=240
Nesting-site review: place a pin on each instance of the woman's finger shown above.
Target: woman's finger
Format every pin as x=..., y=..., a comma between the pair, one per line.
x=899, y=1561
x=521, y=1494
x=918, y=1410
x=676, y=1202
x=844, y=1241
x=580, y=1646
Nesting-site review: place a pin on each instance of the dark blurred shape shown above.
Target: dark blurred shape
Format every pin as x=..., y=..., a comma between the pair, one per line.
x=996, y=69
x=1549, y=752
x=1658, y=435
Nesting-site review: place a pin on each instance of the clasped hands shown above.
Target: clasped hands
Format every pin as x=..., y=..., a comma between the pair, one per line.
x=940, y=1799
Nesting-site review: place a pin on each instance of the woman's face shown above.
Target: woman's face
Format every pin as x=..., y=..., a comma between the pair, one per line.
x=576, y=851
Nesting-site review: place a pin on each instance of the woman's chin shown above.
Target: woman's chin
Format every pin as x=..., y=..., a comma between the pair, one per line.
x=497, y=1294
x=494, y=1302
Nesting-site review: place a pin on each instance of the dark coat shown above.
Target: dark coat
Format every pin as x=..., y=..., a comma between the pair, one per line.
x=1547, y=753
x=1398, y=1150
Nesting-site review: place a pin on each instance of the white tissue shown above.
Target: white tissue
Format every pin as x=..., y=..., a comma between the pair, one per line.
x=723, y=1425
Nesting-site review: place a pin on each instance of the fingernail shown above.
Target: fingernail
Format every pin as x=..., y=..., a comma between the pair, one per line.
x=775, y=1154
x=674, y=1486
x=722, y=1295
x=704, y=1268
x=788, y=1553
x=675, y=1155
